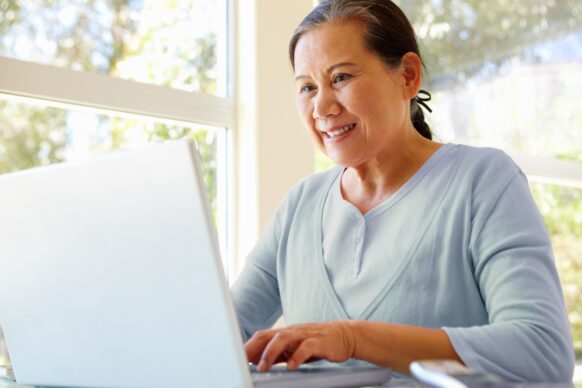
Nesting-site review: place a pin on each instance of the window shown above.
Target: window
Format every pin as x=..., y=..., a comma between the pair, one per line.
x=506, y=74
x=561, y=208
x=86, y=77
x=35, y=135
x=179, y=44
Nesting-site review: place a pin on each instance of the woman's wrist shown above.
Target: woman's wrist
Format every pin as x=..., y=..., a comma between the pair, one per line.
x=396, y=346
x=357, y=328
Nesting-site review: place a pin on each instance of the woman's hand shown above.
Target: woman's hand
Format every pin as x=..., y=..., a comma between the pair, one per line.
x=384, y=344
x=334, y=341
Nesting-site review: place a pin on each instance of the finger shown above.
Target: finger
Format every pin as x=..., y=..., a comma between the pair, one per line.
x=308, y=350
x=283, y=341
x=256, y=344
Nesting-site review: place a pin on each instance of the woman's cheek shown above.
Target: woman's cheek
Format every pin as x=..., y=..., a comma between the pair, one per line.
x=303, y=108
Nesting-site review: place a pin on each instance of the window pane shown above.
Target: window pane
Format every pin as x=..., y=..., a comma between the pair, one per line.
x=561, y=208
x=322, y=162
x=34, y=135
x=504, y=73
x=179, y=43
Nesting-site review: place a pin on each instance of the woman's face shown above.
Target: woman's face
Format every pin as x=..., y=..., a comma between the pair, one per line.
x=354, y=106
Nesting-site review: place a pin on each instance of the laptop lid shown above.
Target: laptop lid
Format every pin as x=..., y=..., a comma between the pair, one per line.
x=110, y=275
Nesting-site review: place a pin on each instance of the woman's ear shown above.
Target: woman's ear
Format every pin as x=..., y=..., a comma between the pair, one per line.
x=411, y=66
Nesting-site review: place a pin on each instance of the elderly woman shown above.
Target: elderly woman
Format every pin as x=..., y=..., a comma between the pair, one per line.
x=409, y=249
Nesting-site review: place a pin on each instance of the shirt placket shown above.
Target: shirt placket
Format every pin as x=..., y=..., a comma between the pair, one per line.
x=358, y=240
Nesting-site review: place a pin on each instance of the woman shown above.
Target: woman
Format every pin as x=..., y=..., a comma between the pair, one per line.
x=410, y=249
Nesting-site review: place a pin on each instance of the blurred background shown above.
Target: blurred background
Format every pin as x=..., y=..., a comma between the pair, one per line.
x=80, y=78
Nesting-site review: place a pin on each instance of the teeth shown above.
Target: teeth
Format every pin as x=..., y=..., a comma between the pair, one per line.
x=341, y=131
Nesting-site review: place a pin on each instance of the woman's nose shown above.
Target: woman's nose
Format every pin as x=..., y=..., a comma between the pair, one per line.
x=325, y=105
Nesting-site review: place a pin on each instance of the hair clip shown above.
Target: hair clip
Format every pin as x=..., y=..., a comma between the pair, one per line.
x=422, y=100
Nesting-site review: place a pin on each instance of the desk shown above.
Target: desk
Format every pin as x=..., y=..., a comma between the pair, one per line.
x=395, y=383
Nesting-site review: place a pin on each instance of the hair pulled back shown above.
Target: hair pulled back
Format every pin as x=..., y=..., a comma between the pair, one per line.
x=388, y=34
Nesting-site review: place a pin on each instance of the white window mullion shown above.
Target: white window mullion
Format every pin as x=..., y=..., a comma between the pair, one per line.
x=101, y=92
x=550, y=170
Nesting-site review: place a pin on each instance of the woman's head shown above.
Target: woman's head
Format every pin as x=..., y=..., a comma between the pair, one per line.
x=387, y=34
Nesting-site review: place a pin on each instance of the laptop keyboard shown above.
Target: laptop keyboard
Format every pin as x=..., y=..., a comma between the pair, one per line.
x=281, y=371
x=317, y=376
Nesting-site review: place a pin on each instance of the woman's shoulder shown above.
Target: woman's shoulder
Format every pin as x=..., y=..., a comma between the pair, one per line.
x=477, y=156
x=307, y=192
x=315, y=183
x=484, y=161
x=482, y=173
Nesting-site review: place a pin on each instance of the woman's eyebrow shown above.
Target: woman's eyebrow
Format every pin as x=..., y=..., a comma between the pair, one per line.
x=301, y=76
x=329, y=70
x=341, y=64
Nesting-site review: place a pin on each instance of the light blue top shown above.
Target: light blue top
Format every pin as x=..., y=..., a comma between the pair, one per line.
x=460, y=246
x=354, y=245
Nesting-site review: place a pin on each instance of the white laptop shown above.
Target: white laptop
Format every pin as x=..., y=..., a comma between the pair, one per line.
x=110, y=276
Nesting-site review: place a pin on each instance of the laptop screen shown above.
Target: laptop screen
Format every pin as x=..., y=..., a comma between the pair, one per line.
x=111, y=274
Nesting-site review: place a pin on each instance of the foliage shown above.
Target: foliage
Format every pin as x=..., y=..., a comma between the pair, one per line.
x=465, y=44
x=561, y=208
x=567, y=251
x=505, y=74
x=150, y=41
x=31, y=136
x=144, y=40
x=152, y=132
x=465, y=29
x=11, y=11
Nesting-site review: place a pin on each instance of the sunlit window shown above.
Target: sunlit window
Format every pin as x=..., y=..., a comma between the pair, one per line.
x=179, y=44
x=561, y=208
x=151, y=55
x=507, y=74
x=32, y=134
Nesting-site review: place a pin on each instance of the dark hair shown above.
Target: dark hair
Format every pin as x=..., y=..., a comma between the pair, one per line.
x=388, y=34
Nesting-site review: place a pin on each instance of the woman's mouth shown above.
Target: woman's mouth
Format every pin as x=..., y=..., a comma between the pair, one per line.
x=339, y=132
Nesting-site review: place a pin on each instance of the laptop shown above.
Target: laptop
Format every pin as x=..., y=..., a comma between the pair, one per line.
x=110, y=276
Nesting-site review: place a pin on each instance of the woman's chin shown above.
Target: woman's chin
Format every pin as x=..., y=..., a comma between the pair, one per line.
x=340, y=160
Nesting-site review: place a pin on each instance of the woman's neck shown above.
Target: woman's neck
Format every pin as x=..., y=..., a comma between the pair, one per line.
x=372, y=182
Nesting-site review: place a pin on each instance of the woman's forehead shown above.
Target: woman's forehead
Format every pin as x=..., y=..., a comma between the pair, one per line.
x=330, y=43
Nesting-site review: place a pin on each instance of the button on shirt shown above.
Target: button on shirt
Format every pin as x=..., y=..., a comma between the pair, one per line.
x=357, y=262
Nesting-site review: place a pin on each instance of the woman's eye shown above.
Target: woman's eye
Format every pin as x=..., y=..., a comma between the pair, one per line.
x=341, y=77
x=306, y=88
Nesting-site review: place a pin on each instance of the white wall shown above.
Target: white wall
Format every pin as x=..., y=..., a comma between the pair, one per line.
x=272, y=149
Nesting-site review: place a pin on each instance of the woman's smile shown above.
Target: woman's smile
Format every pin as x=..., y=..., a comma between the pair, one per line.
x=353, y=104
x=338, y=133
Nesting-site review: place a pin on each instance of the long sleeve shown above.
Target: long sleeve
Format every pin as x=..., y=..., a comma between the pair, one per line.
x=256, y=291
x=479, y=265
x=528, y=337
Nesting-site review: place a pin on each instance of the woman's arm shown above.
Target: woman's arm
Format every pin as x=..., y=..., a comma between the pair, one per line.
x=396, y=346
x=527, y=337
x=384, y=344
x=256, y=299
x=255, y=293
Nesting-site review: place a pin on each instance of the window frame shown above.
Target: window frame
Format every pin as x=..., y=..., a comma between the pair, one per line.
x=549, y=170
x=52, y=86
x=103, y=93
x=260, y=93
